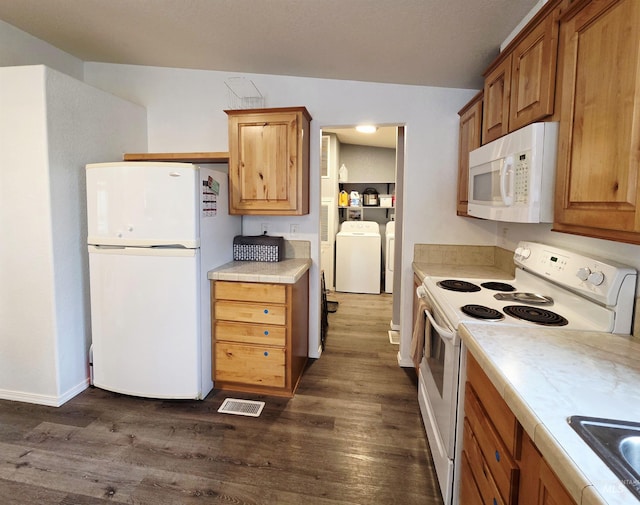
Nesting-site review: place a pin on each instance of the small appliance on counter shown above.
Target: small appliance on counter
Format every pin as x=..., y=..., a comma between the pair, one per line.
x=370, y=197
x=258, y=248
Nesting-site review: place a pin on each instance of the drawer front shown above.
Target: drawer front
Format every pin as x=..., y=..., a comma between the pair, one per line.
x=480, y=472
x=495, y=452
x=246, y=364
x=250, y=291
x=246, y=333
x=266, y=313
x=501, y=416
x=469, y=492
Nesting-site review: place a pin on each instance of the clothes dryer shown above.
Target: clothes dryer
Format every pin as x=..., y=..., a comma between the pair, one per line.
x=358, y=257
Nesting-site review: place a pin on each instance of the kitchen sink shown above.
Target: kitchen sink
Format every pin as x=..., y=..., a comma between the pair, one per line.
x=617, y=443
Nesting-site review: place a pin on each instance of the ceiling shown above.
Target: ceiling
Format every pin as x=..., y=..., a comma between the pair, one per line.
x=446, y=43
x=384, y=136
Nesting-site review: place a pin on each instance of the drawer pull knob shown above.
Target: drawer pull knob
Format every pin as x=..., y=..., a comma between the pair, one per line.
x=266, y=332
x=497, y=456
x=266, y=353
x=495, y=502
x=266, y=311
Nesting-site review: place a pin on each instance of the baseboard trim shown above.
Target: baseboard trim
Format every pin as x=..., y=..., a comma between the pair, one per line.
x=47, y=400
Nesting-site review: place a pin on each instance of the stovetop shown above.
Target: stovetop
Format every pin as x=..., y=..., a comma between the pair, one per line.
x=554, y=287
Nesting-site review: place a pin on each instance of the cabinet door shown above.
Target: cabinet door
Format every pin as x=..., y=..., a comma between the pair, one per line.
x=538, y=484
x=497, y=87
x=470, y=133
x=268, y=162
x=533, y=74
x=597, y=188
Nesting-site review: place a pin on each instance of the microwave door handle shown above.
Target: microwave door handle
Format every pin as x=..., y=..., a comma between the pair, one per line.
x=506, y=172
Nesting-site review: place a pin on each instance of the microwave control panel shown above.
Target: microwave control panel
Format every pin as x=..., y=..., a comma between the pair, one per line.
x=521, y=169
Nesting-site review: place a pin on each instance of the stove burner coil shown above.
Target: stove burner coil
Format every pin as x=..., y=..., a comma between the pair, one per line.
x=535, y=315
x=458, y=285
x=498, y=286
x=482, y=312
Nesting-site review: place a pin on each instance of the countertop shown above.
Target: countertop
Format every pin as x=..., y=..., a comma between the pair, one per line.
x=287, y=271
x=546, y=375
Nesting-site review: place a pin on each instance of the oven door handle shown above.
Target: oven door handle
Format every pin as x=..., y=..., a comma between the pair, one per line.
x=421, y=292
x=443, y=332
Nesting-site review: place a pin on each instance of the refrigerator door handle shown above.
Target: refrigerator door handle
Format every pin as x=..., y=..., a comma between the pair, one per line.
x=100, y=246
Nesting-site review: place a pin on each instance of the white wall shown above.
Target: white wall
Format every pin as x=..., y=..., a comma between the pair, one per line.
x=51, y=126
x=624, y=253
x=20, y=48
x=186, y=113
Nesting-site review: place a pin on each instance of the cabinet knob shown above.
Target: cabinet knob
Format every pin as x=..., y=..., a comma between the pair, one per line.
x=266, y=353
x=266, y=311
x=498, y=456
x=266, y=332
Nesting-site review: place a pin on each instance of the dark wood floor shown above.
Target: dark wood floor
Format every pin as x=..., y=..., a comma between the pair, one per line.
x=351, y=435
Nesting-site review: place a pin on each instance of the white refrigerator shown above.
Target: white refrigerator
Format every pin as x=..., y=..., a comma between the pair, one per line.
x=154, y=231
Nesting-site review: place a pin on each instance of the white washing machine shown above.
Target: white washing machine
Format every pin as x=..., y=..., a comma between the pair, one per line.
x=358, y=252
x=390, y=237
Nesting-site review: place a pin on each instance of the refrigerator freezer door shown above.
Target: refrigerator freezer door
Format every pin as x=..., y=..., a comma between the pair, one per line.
x=143, y=204
x=145, y=314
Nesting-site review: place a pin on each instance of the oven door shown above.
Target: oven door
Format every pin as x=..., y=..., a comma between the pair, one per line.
x=438, y=378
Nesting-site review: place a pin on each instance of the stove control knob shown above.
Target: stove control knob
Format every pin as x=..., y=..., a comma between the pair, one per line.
x=584, y=273
x=596, y=278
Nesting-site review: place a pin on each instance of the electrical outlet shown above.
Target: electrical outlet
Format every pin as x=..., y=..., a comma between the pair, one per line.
x=264, y=228
x=294, y=228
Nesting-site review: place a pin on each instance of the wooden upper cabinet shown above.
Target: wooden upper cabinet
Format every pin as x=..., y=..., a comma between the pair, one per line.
x=269, y=161
x=598, y=176
x=533, y=74
x=470, y=133
x=519, y=86
x=497, y=87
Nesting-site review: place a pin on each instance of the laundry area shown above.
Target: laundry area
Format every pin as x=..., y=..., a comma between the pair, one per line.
x=358, y=210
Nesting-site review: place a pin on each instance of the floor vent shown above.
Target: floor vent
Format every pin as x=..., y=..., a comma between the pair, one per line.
x=241, y=407
x=394, y=337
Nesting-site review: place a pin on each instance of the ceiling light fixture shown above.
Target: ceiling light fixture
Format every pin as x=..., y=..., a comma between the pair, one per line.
x=366, y=128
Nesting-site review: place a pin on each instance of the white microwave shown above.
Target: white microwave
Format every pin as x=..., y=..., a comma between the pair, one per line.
x=512, y=178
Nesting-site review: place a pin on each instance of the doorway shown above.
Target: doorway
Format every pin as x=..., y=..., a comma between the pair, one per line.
x=364, y=163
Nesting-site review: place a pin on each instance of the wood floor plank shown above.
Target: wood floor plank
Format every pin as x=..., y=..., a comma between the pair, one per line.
x=352, y=435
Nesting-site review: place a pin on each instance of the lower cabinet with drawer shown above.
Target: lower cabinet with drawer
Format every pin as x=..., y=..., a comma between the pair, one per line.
x=500, y=463
x=260, y=335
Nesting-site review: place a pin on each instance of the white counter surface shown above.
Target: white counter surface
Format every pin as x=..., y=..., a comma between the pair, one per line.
x=547, y=375
x=287, y=271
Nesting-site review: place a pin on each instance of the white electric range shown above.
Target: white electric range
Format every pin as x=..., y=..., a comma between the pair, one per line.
x=552, y=287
